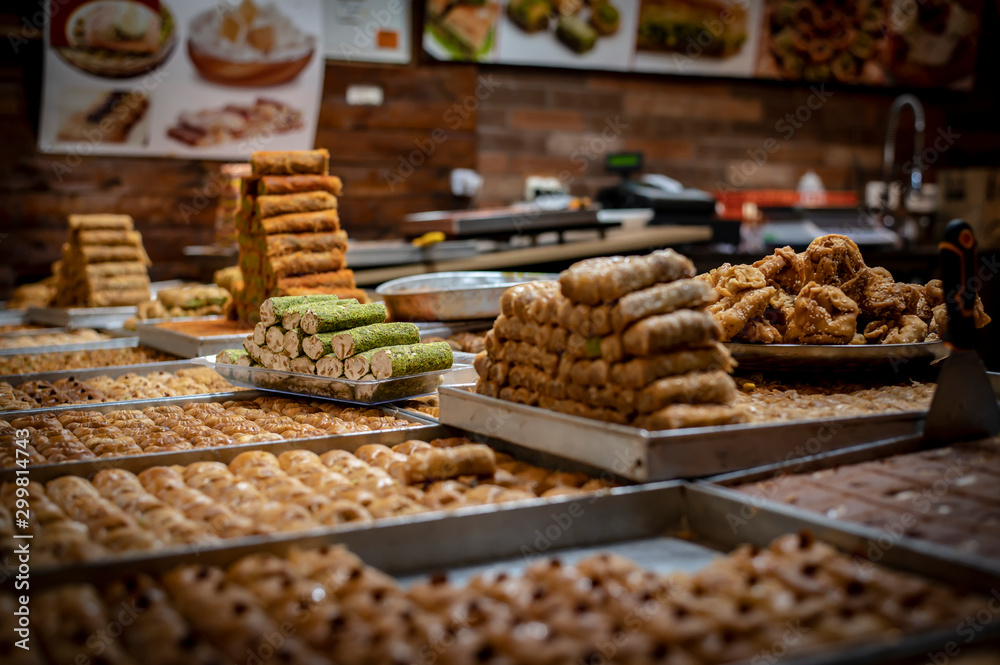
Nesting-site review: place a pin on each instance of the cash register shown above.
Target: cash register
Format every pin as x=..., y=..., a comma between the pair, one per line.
x=670, y=201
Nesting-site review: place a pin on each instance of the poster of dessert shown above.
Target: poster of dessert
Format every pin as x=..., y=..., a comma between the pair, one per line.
x=212, y=79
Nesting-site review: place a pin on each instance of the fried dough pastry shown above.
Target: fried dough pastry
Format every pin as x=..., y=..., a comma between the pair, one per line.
x=734, y=312
x=939, y=320
x=729, y=280
x=835, y=260
x=907, y=329
x=885, y=298
x=759, y=331
x=823, y=315
x=785, y=269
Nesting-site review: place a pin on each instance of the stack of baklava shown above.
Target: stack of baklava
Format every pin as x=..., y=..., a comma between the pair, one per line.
x=289, y=231
x=103, y=264
x=626, y=340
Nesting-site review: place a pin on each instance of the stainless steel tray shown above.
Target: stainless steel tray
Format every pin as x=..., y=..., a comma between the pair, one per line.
x=451, y=296
x=82, y=317
x=113, y=343
x=13, y=316
x=342, y=390
x=113, y=371
x=518, y=219
x=665, y=527
x=641, y=455
x=34, y=331
x=449, y=328
x=46, y=472
x=185, y=345
x=840, y=357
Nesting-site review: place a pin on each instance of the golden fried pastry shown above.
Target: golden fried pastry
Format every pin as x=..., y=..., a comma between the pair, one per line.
x=835, y=260
x=884, y=298
x=734, y=312
x=785, y=270
x=907, y=329
x=823, y=315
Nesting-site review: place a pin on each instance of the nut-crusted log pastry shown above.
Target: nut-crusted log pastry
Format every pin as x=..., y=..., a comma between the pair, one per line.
x=294, y=184
x=331, y=318
x=275, y=339
x=303, y=365
x=292, y=344
x=835, y=260
x=320, y=221
x=733, y=312
x=297, y=162
x=376, y=335
x=260, y=333
x=330, y=366
x=660, y=299
x=677, y=416
x=287, y=243
x=661, y=333
x=292, y=318
x=884, y=298
x=823, y=315
x=785, y=270
x=594, y=281
x=534, y=301
x=284, y=204
x=410, y=359
x=715, y=387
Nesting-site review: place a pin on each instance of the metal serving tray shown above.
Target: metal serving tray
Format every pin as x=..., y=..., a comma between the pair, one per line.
x=838, y=357
x=113, y=343
x=32, y=331
x=342, y=390
x=665, y=527
x=451, y=296
x=82, y=317
x=185, y=345
x=13, y=316
x=641, y=455
x=528, y=218
x=113, y=371
x=46, y=472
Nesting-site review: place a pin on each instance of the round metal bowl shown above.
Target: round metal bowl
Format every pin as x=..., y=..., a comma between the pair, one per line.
x=452, y=296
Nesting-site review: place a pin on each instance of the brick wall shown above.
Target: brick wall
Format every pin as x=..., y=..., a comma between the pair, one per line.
x=521, y=121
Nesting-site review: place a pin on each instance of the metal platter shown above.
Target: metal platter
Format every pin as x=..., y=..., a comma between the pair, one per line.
x=13, y=316
x=835, y=357
x=113, y=371
x=340, y=389
x=82, y=317
x=186, y=345
x=643, y=456
x=451, y=296
x=665, y=527
x=125, y=342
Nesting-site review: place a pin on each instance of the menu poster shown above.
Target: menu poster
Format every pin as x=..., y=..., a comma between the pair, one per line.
x=368, y=30
x=930, y=43
x=181, y=78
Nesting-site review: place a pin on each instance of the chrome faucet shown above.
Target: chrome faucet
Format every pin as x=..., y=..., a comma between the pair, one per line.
x=889, y=154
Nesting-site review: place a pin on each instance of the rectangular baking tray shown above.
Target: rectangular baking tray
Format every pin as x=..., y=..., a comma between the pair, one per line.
x=113, y=371
x=124, y=342
x=665, y=527
x=342, y=390
x=641, y=455
x=351, y=442
x=82, y=317
x=33, y=331
x=184, y=345
x=13, y=316
x=835, y=357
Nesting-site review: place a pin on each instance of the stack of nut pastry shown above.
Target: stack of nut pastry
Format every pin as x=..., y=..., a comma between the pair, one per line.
x=289, y=234
x=825, y=295
x=70, y=390
x=85, y=435
x=103, y=264
x=626, y=340
x=324, y=605
x=260, y=493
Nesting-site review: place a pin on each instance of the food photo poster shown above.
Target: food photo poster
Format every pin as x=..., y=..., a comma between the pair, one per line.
x=182, y=78
x=930, y=44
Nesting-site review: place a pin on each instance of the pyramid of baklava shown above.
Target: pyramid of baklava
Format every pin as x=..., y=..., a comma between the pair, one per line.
x=289, y=231
x=103, y=264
